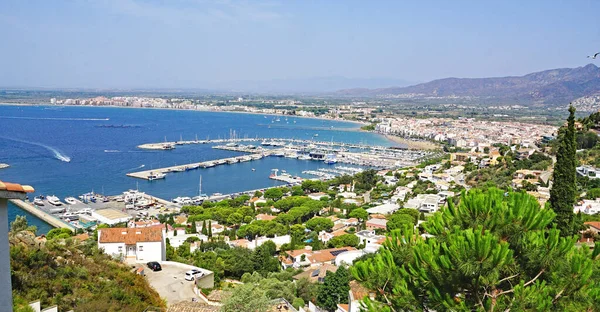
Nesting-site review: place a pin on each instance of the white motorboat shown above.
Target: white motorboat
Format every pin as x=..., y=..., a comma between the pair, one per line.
x=304, y=157
x=182, y=200
x=38, y=201
x=53, y=200
x=87, y=211
x=156, y=176
x=279, y=154
x=71, y=200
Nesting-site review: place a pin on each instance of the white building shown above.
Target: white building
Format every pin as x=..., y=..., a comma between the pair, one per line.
x=385, y=209
x=368, y=237
x=244, y=243
x=137, y=244
x=181, y=237
x=589, y=171
x=425, y=202
x=588, y=206
x=110, y=216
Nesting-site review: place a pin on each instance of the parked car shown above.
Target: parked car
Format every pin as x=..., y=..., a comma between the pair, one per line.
x=192, y=274
x=154, y=266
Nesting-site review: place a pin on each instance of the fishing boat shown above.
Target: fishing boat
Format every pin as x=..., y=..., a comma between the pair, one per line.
x=156, y=176
x=54, y=200
x=71, y=200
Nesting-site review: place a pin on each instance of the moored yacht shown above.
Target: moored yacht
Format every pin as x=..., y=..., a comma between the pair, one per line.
x=71, y=200
x=54, y=200
x=304, y=157
x=330, y=160
x=156, y=176
x=38, y=201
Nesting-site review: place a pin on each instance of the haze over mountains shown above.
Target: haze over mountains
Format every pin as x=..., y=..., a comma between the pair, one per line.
x=305, y=85
x=555, y=86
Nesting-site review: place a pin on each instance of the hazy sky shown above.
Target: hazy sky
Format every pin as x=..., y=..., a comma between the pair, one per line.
x=197, y=43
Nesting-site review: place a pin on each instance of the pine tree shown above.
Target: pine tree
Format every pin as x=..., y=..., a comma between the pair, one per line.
x=334, y=290
x=491, y=252
x=203, y=230
x=564, y=190
x=194, y=230
x=209, y=229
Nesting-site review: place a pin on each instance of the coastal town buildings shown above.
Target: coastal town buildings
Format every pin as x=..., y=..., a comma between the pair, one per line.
x=465, y=132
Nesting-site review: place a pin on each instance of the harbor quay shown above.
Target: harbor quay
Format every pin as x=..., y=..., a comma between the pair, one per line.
x=374, y=157
x=45, y=216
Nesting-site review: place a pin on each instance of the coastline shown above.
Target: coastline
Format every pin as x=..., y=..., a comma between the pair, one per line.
x=356, y=122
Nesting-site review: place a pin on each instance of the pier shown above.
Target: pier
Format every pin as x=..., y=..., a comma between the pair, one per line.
x=268, y=142
x=46, y=217
x=205, y=164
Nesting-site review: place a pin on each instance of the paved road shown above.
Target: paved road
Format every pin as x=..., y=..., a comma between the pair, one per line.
x=170, y=284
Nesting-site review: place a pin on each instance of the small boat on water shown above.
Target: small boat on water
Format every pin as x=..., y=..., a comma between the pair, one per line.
x=304, y=157
x=179, y=169
x=54, y=200
x=253, y=169
x=71, y=200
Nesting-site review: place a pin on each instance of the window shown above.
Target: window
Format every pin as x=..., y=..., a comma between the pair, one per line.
x=141, y=248
x=120, y=249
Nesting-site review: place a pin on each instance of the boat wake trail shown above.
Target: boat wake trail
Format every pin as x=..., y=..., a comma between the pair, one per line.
x=112, y=151
x=57, y=154
x=56, y=118
x=138, y=167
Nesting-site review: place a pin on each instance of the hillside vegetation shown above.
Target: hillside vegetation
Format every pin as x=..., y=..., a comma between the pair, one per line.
x=75, y=276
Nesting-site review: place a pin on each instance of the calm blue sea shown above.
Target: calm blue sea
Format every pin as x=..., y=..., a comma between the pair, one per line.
x=35, y=141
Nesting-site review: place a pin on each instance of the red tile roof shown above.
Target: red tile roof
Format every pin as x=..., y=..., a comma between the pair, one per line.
x=13, y=187
x=130, y=236
x=594, y=224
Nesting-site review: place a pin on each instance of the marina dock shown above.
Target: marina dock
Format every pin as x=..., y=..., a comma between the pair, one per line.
x=205, y=164
x=46, y=217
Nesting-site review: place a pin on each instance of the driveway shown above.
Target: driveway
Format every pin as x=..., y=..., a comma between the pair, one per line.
x=170, y=283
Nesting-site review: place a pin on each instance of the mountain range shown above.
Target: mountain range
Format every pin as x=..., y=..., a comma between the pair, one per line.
x=554, y=86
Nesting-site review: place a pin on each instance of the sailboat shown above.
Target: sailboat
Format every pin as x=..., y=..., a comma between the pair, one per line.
x=201, y=197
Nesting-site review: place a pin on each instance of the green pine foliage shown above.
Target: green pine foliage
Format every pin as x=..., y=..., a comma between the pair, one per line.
x=564, y=190
x=334, y=289
x=494, y=251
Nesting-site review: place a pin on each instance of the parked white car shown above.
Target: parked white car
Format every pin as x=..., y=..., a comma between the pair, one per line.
x=193, y=274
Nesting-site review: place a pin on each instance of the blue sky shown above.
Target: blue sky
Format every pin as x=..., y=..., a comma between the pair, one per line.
x=199, y=43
